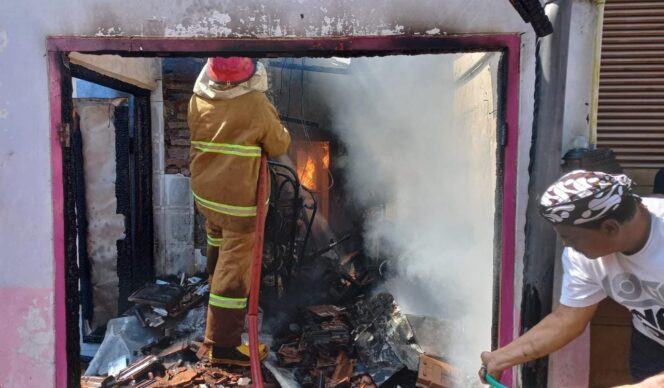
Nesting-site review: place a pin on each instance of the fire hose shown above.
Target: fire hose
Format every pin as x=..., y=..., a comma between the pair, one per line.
x=252, y=314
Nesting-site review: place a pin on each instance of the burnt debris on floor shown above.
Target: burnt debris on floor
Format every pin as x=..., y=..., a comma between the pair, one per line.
x=159, y=342
x=354, y=336
x=361, y=344
x=352, y=340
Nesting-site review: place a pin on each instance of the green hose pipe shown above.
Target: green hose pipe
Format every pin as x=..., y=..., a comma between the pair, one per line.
x=489, y=379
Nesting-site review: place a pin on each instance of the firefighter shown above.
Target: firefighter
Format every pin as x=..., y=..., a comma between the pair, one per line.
x=232, y=123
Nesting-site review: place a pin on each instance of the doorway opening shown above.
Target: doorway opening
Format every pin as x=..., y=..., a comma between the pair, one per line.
x=330, y=155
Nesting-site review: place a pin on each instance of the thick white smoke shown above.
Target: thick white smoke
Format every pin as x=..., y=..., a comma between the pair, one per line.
x=426, y=147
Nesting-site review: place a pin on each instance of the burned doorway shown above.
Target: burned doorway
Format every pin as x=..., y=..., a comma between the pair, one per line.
x=109, y=182
x=501, y=189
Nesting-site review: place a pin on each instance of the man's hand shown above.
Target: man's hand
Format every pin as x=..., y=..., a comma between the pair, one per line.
x=651, y=382
x=489, y=367
x=656, y=381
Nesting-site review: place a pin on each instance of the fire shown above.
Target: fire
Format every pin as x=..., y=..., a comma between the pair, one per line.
x=313, y=162
x=307, y=174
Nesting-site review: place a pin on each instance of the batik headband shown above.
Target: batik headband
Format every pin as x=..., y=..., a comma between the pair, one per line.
x=581, y=196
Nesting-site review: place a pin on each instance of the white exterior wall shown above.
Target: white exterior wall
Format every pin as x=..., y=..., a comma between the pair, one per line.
x=579, y=73
x=26, y=230
x=570, y=366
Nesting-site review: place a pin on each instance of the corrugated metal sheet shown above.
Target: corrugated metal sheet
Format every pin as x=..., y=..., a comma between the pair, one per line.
x=630, y=116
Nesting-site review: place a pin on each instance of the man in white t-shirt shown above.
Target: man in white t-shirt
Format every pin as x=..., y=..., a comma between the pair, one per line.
x=614, y=246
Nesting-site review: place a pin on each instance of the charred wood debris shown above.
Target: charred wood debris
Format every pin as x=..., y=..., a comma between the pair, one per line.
x=323, y=316
x=352, y=340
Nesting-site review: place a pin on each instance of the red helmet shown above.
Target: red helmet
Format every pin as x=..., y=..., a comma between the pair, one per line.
x=231, y=70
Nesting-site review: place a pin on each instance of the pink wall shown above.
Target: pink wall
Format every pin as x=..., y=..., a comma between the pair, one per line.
x=570, y=367
x=26, y=340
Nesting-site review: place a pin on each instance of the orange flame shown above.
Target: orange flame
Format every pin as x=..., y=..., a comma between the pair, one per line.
x=313, y=162
x=307, y=174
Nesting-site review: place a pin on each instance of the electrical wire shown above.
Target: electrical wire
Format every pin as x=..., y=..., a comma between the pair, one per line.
x=302, y=123
x=281, y=80
x=290, y=76
x=331, y=180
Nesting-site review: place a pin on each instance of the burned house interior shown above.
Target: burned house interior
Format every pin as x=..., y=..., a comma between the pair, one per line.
x=382, y=240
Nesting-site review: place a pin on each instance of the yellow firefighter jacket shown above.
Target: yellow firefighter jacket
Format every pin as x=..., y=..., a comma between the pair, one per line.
x=229, y=130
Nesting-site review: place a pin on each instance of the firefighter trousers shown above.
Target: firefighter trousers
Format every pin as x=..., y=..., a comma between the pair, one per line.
x=229, y=267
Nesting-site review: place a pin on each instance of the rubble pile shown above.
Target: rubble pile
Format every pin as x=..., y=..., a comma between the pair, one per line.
x=158, y=343
x=161, y=300
x=150, y=371
x=349, y=340
x=362, y=344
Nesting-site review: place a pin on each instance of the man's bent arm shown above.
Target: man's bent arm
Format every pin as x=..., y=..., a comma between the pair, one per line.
x=552, y=333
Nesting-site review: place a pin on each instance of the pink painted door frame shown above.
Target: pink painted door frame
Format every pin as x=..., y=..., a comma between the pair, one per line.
x=509, y=44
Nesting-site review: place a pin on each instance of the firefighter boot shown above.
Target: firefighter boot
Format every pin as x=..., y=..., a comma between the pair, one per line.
x=238, y=355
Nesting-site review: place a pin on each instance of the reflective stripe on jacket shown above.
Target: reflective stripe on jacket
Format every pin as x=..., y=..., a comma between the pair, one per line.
x=227, y=138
